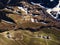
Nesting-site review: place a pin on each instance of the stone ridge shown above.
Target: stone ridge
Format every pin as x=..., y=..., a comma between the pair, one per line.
x=28, y=16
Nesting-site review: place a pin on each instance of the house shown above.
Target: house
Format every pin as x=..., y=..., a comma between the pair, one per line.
x=8, y=35
x=46, y=37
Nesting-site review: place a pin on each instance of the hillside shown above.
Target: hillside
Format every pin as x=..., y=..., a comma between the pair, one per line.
x=28, y=24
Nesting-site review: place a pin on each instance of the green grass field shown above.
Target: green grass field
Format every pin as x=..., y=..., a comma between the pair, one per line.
x=29, y=38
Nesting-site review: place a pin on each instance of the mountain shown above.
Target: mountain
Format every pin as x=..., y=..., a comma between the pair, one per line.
x=28, y=24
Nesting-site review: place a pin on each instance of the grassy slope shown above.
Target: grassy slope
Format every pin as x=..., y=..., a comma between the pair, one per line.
x=29, y=39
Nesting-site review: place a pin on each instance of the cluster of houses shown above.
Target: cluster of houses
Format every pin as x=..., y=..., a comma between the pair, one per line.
x=11, y=36
x=39, y=36
x=42, y=37
x=45, y=37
